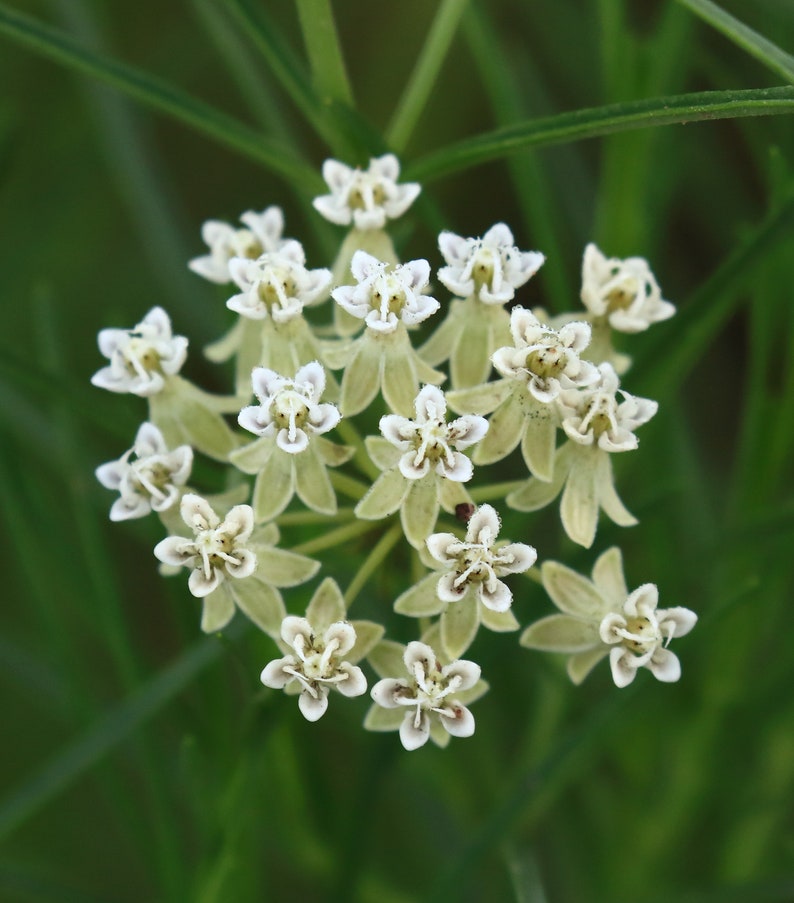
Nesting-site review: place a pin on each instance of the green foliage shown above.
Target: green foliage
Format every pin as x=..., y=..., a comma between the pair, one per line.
x=147, y=763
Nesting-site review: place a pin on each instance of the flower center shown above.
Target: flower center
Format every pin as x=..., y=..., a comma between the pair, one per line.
x=482, y=270
x=388, y=296
x=365, y=194
x=289, y=410
x=140, y=356
x=600, y=416
x=641, y=634
x=546, y=362
x=276, y=287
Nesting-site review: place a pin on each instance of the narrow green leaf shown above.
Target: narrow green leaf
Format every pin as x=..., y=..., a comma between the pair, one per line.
x=425, y=73
x=323, y=49
x=595, y=121
x=772, y=56
x=157, y=94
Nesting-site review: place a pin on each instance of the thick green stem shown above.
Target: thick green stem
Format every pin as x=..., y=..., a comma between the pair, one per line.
x=376, y=557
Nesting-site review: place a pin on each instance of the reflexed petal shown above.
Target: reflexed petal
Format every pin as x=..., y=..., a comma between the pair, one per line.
x=382, y=452
x=419, y=511
x=217, y=611
x=313, y=707
x=461, y=724
x=480, y=399
x=505, y=429
x=380, y=719
x=421, y=600
x=361, y=379
x=327, y=605
x=579, y=505
x=313, y=484
x=539, y=440
x=561, y=633
x=413, y=737
x=400, y=383
x=459, y=624
x=253, y=457
x=623, y=668
x=608, y=577
x=608, y=497
x=274, y=486
x=498, y=621
x=384, y=497
x=261, y=603
x=368, y=635
x=582, y=663
x=284, y=568
x=573, y=593
x=664, y=666
x=387, y=658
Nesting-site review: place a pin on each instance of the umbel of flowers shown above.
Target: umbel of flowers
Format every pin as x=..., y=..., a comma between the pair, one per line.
x=544, y=394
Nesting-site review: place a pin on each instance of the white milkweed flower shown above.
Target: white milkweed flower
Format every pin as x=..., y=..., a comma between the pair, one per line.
x=470, y=592
x=290, y=454
x=599, y=618
x=594, y=415
x=476, y=564
x=276, y=284
x=317, y=663
x=597, y=425
x=491, y=267
x=141, y=358
x=423, y=466
x=625, y=292
x=545, y=359
x=430, y=441
x=262, y=235
x=321, y=652
x=151, y=480
x=430, y=693
x=365, y=198
x=218, y=548
x=289, y=409
x=385, y=296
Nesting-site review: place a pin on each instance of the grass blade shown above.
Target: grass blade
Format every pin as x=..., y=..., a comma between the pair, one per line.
x=596, y=121
x=772, y=56
x=78, y=757
x=325, y=54
x=155, y=93
x=425, y=72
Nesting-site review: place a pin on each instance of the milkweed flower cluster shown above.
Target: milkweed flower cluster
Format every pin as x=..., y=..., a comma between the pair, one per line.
x=453, y=384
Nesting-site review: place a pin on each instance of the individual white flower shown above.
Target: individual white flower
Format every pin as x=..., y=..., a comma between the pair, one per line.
x=289, y=409
x=545, y=359
x=218, y=548
x=491, y=267
x=430, y=692
x=423, y=467
x=149, y=482
x=430, y=441
x=290, y=456
x=593, y=415
x=276, y=284
x=385, y=296
x=623, y=291
x=141, y=358
x=317, y=663
x=365, y=198
x=262, y=235
x=470, y=592
x=475, y=565
x=601, y=618
x=597, y=425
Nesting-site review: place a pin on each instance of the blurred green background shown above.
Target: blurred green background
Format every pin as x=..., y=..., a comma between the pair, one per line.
x=142, y=761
